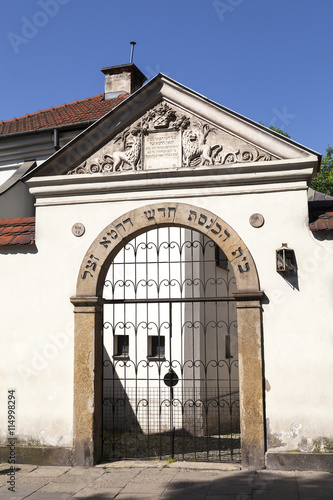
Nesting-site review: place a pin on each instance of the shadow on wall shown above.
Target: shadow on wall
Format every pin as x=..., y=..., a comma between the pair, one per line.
x=117, y=409
x=15, y=250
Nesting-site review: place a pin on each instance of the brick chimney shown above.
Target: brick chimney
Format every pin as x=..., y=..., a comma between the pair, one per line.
x=126, y=78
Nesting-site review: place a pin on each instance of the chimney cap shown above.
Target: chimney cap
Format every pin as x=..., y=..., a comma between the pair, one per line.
x=121, y=68
x=125, y=78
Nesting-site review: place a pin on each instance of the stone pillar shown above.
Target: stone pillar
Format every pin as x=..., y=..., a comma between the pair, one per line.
x=88, y=371
x=251, y=378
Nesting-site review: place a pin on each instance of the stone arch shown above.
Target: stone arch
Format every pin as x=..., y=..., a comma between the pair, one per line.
x=88, y=323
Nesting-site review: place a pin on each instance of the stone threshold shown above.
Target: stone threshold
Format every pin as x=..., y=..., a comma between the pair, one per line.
x=163, y=464
x=290, y=461
x=39, y=455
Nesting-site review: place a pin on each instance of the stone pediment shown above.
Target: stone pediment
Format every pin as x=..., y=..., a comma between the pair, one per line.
x=166, y=127
x=167, y=137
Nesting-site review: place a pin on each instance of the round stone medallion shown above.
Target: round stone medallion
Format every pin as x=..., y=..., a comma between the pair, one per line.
x=78, y=229
x=257, y=220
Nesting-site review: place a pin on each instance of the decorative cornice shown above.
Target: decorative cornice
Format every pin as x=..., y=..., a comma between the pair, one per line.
x=243, y=177
x=84, y=302
x=248, y=295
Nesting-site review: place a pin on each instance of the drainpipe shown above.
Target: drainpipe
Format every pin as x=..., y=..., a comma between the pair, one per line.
x=56, y=139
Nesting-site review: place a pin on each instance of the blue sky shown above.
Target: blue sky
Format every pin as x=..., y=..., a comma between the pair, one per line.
x=269, y=60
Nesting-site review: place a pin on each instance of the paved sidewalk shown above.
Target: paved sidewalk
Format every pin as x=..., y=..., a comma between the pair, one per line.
x=162, y=481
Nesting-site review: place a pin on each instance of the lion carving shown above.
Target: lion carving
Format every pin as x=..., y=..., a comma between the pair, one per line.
x=195, y=149
x=129, y=158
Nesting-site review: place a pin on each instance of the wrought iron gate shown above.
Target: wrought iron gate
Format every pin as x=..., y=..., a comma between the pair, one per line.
x=170, y=384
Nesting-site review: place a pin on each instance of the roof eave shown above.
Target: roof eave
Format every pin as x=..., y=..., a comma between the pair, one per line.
x=99, y=122
x=69, y=126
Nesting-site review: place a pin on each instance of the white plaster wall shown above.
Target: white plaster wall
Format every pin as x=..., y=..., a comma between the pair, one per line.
x=297, y=323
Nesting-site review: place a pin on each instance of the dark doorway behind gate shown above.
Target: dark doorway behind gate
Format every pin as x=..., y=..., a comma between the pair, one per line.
x=170, y=384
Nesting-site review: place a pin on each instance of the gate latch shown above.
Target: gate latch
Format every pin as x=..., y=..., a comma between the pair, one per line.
x=171, y=378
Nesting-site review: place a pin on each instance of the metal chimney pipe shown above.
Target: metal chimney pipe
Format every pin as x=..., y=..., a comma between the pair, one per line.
x=132, y=51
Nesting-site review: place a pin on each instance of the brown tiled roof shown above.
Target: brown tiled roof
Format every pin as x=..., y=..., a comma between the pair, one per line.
x=323, y=223
x=87, y=109
x=17, y=232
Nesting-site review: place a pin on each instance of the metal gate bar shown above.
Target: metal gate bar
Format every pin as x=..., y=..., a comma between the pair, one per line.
x=168, y=301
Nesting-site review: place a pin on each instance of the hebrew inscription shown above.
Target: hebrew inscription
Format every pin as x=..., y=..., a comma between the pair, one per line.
x=244, y=269
x=215, y=228
x=90, y=267
x=122, y=224
x=183, y=215
x=150, y=214
x=162, y=150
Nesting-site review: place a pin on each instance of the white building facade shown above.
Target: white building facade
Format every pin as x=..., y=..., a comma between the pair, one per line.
x=169, y=161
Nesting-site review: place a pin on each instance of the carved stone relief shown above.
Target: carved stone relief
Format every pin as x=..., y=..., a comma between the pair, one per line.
x=166, y=138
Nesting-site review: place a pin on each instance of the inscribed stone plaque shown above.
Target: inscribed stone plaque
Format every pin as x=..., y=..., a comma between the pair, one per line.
x=162, y=150
x=78, y=229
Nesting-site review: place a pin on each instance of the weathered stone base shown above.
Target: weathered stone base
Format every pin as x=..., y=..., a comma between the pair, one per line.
x=36, y=455
x=300, y=461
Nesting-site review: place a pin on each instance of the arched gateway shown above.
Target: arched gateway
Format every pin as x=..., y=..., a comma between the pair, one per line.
x=88, y=302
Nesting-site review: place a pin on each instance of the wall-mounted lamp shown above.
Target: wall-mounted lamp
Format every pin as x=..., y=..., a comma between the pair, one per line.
x=285, y=259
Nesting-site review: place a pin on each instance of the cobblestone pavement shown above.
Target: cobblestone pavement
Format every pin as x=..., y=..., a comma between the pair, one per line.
x=162, y=481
